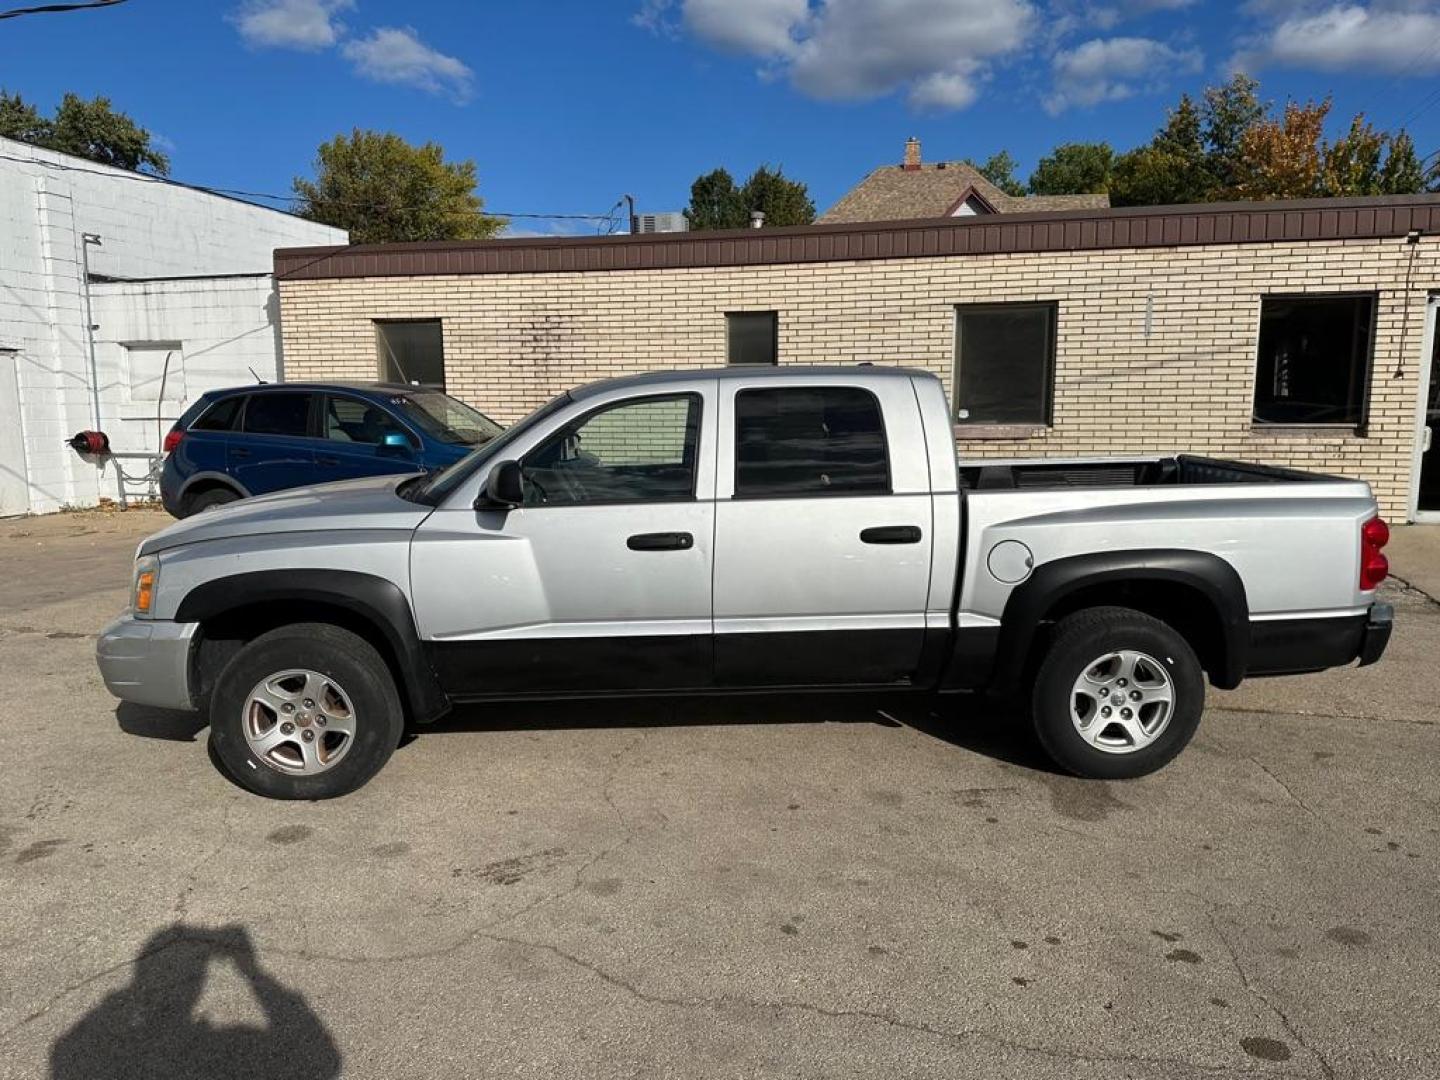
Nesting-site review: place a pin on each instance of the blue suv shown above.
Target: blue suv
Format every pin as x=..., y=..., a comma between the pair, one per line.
x=257, y=439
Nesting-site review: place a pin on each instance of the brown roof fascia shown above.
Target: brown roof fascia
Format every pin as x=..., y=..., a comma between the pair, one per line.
x=1054, y=230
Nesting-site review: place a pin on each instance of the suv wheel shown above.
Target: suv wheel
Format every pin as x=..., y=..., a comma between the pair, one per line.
x=1118, y=694
x=307, y=711
x=209, y=500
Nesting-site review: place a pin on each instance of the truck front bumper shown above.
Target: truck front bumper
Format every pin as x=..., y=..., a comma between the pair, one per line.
x=1293, y=646
x=147, y=661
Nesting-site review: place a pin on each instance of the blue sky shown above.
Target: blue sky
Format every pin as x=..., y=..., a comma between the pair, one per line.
x=566, y=105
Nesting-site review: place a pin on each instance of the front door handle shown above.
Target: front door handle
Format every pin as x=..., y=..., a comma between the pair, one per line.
x=662, y=541
x=891, y=534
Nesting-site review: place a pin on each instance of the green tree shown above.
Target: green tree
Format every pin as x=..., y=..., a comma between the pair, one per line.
x=1351, y=165
x=384, y=189
x=1074, y=169
x=1172, y=168
x=715, y=203
x=1403, y=173
x=782, y=200
x=999, y=169
x=91, y=129
x=1227, y=115
x=21, y=121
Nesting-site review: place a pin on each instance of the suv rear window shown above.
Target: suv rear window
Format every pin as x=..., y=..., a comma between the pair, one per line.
x=278, y=413
x=221, y=416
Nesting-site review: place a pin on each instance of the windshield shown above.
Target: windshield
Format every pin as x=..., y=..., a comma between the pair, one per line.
x=442, y=417
x=438, y=487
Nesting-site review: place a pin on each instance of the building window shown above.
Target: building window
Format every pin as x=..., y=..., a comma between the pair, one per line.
x=1004, y=363
x=156, y=371
x=1314, y=359
x=805, y=441
x=752, y=337
x=412, y=352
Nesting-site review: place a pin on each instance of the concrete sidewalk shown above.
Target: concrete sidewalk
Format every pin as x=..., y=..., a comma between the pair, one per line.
x=1414, y=553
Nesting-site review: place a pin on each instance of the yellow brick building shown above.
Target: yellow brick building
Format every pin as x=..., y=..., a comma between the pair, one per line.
x=1295, y=333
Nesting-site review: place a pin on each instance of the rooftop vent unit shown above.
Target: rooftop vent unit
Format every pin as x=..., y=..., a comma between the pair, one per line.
x=671, y=221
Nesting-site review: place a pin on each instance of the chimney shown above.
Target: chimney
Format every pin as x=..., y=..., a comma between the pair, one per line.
x=912, y=154
x=757, y=219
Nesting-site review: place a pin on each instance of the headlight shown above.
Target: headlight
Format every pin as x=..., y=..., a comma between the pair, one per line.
x=147, y=579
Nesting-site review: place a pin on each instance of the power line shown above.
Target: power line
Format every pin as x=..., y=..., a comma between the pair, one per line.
x=45, y=9
x=243, y=194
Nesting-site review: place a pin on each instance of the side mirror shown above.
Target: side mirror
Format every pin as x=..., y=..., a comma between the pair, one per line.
x=504, y=489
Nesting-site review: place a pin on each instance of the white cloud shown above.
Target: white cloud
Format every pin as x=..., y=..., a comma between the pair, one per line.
x=290, y=24
x=395, y=54
x=937, y=51
x=1111, y=69
x=1390, y=36
x=760, y=27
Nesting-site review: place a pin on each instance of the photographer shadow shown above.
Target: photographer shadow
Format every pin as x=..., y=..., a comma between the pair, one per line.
x=150, y=1027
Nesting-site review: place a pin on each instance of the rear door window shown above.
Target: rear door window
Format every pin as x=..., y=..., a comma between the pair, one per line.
x=279, y=413
x=795, y=442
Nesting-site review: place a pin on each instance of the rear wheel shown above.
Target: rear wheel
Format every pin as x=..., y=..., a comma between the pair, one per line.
x=307, y=711
x=209, y=500
x=1118, y=694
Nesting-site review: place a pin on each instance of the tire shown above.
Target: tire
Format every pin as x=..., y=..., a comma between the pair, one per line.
x=208, y=500
x=333, y=685
x=1095, y=722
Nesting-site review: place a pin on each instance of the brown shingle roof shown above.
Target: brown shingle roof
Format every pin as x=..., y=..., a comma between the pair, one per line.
x=894, y=193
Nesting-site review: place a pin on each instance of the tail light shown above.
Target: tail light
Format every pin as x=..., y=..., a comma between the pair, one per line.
x=1374, y=567
x=172, y=439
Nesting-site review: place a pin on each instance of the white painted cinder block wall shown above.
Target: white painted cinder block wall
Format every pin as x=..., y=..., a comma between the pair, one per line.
x=223, y=316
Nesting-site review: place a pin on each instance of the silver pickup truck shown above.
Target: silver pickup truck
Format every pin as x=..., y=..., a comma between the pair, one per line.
x=739, y=530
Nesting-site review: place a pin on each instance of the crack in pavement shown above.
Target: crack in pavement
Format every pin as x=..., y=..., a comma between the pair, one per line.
x=1259, y=996
x=1407, y=586
x=1303, y=714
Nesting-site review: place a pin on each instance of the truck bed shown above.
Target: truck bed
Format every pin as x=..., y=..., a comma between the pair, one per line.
x=1055, y=473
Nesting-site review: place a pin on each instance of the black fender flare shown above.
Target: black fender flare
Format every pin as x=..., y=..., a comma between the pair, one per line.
x=377, y=601
x=1207, y=574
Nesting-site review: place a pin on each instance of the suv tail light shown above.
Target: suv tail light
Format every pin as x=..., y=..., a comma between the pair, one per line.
x=172, y=438
x=1374, y=567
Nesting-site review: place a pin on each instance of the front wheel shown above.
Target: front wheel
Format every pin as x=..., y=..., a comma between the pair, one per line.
x=1118, y=694
x=308, y=711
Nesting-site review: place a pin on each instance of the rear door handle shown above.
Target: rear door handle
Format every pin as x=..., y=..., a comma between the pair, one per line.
x=891, y=534
x=239, y=452
x=327, y=461
x=662, y=541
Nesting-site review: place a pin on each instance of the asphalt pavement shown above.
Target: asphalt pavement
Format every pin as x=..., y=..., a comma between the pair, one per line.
x=809, y=887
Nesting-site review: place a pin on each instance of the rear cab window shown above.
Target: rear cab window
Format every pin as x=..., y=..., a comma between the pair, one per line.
x=809, y=441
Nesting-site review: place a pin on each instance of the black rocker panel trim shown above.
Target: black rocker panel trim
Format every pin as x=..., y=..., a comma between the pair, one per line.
x=815, y=658
x=547, y=667
x=373, y=599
